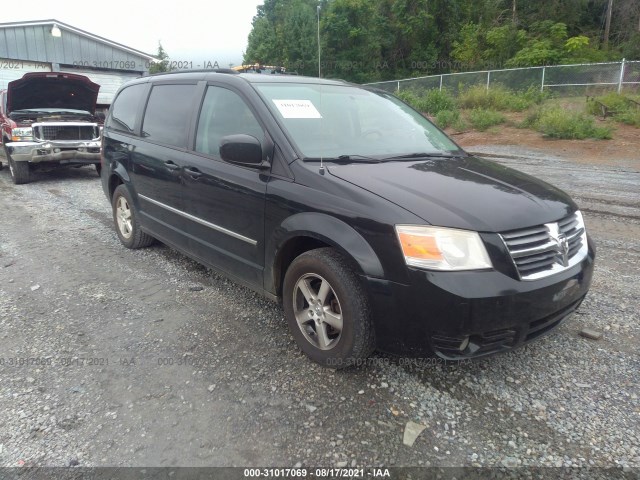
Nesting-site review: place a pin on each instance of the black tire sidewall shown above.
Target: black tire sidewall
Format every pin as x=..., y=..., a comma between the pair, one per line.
x=19, y=171
x=352, y=300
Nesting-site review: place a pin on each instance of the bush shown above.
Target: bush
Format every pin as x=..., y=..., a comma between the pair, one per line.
x=429, y=101
x=556, y=122
x=625, y=111
x=499, y=98
x=450, y=118
x=408, y=96
x=629, y=117
x=615, y=101
x=535, y=96
x=482, y=119
x=436, y=101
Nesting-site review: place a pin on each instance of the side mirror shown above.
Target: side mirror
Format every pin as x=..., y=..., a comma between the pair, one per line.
x=242, y=150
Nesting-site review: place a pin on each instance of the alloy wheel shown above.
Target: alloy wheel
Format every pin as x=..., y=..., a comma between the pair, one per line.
x=123, y=216
x=317, y=311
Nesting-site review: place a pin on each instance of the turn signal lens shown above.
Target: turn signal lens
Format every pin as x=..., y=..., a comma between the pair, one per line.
x=418, y=246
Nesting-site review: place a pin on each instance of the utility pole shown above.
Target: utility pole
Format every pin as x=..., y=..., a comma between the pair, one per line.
x=319, y=41
x=514, y=12
x=607, y=25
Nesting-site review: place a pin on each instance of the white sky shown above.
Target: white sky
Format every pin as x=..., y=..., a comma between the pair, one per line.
x=189, y=30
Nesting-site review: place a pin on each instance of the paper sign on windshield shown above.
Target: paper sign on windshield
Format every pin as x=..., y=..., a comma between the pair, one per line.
x=297, y=109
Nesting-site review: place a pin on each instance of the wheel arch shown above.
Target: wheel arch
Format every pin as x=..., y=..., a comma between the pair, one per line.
x=117, y=177
x=307, y=231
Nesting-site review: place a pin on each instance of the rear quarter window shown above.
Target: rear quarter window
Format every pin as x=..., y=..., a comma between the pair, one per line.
x=166, y=119
x=125, y=107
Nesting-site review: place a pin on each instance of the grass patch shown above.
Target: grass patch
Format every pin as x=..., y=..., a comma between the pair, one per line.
x=450, y=118
x=482, y=119
x=612, y=100
x=629, y=117
x=429, y=101
x=556, y=122
x=500, y=98
x=480, y=109
x=625, y=111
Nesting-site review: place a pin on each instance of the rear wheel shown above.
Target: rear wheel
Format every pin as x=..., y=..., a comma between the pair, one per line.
x=126, y=220
x=19, y=171
x=327, y=309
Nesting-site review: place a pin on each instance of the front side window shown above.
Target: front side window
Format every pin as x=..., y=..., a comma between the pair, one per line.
x=125, y=107
x=224, y=113
x=166, y=119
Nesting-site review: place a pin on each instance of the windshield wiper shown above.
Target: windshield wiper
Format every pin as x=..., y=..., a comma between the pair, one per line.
x=409, y=156
x=347, y=159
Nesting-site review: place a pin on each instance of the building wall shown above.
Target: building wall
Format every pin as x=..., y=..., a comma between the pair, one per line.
x=32, y=48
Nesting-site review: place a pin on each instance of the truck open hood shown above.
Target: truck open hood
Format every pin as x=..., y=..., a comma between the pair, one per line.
x=52, y=90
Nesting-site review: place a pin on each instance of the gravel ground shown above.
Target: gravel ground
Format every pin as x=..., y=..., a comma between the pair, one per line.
x=112, y=357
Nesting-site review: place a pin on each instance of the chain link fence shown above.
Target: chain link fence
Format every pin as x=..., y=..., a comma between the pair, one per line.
x=562, y=80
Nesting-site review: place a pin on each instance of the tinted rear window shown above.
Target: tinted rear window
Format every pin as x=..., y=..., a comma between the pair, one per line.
x=166, y=119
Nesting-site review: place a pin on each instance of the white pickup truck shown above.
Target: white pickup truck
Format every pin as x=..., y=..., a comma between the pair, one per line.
x=48, y=120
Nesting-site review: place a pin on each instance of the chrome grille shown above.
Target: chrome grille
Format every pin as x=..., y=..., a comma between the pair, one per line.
x=543, y=250
x=63, y=132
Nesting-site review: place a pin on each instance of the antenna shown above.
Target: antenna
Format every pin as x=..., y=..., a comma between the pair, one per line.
x=321, y=131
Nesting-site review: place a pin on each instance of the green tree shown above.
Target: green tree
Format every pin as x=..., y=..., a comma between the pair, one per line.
x=299, y=37
x=351, y=40
x=162, y=64
x=263, y=46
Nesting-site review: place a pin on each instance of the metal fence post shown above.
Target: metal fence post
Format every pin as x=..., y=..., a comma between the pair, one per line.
x=621, y=77
x=488, y=79
x=398, y=86
x=542, y=85
x=440, y=82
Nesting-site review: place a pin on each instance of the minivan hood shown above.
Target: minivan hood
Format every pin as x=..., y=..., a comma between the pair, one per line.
x=52, y=90
x=466, y=192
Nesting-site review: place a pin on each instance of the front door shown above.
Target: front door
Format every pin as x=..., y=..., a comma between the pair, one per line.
x=225, y=203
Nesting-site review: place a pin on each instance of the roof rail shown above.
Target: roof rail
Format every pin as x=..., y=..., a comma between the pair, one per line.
x=202, y=70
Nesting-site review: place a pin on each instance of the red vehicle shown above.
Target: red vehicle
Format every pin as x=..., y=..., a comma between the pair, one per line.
x=47, y=120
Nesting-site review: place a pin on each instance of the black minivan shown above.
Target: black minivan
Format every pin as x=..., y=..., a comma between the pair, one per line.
x=367, y=222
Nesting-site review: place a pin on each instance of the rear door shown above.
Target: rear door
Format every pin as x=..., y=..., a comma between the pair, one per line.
x=225, y=203
x=158, y=160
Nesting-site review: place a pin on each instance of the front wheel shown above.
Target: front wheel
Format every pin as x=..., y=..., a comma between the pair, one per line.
x=20, y=173
x=327, y=309
x=126, y=220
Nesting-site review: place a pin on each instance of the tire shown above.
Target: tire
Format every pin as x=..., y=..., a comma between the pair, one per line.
x=98, y=168
x=126, y=221
x=19, y=171
x=335, y=331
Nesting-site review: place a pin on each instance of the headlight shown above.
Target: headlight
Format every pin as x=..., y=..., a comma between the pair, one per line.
x=21, y=134
x=437, y=248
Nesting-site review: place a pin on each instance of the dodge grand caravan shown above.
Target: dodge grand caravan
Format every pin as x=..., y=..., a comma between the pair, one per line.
x=368, y=223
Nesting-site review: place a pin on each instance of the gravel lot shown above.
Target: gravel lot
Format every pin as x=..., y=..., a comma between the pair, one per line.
x=112, y=357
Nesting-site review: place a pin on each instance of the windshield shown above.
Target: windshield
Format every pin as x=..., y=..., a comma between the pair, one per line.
x=331, y=121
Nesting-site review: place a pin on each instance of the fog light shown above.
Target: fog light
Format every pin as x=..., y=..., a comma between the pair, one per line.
x=463, y=346
x=57, y=150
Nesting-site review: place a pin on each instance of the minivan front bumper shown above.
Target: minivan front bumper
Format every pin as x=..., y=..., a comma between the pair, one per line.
x=459, y=315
